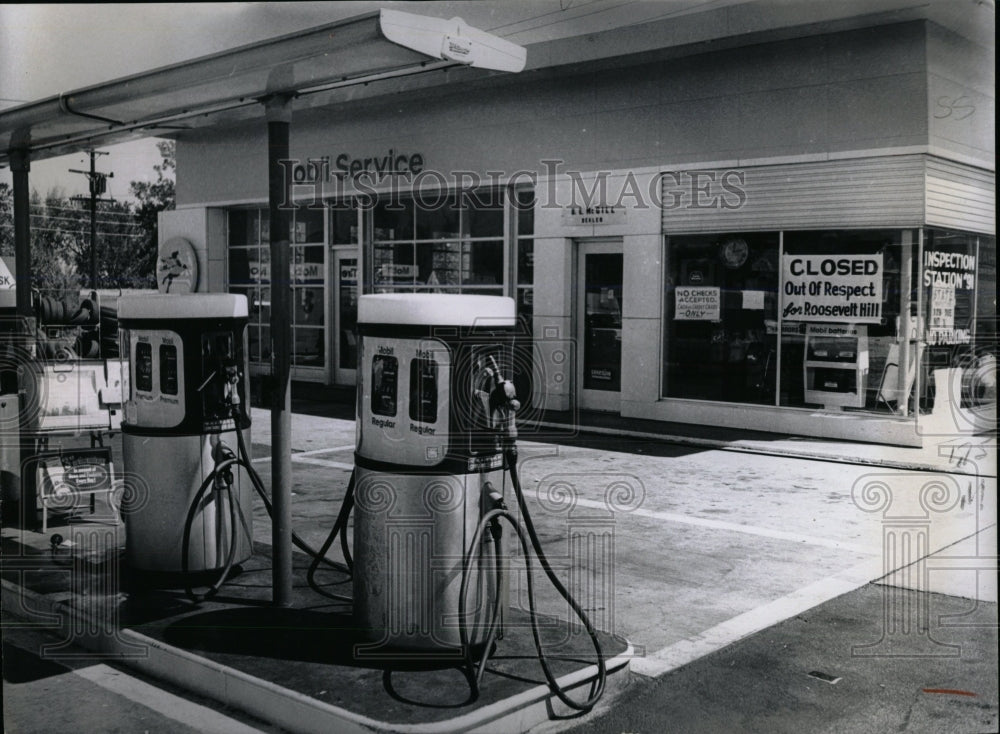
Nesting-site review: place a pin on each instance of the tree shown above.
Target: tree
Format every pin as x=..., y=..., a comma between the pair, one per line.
x=126, y=234
x=155, y=197
x=6, y=220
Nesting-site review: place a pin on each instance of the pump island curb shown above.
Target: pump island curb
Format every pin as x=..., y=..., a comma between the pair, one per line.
x=280, y=705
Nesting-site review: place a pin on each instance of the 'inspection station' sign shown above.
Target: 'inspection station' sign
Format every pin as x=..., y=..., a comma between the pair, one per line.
x=837, y=288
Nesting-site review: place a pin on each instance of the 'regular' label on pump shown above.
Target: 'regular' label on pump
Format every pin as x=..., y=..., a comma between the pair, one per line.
x=403, y=410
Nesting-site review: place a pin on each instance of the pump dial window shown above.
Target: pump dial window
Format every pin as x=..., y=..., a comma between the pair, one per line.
x=385, y=378
x=144, y=367
x=168, y=369
x=423, y=390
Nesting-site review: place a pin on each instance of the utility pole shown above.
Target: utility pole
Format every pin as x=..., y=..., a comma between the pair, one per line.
x=98, y=186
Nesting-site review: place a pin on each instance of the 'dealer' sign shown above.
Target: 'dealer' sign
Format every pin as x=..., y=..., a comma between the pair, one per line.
x=573, y=216
x=837, y=288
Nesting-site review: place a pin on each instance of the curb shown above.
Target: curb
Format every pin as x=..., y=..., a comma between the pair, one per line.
x=275, y=704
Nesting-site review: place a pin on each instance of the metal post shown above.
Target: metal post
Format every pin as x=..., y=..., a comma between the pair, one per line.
x=279, y=113
x=906, y=325
x=93, y=220
x=20, y=164
x=23, y=510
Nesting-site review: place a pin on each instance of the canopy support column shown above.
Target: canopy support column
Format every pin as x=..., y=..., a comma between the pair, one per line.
x=20, y=165
x=279, y=115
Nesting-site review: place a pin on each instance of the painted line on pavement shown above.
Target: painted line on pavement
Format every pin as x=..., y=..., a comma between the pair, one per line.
x=194, y=715
x=323, y=462
x=743, y=625
x=737, y=528
x=314, y=452
x=296, y=456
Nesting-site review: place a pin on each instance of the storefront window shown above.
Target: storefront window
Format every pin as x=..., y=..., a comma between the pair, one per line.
x=523, y=203
x=441, y=242
x=343, y=224
x=308, y=308
x=721, y=317
x=844, y=345
x=958, y=278
x=250, y=274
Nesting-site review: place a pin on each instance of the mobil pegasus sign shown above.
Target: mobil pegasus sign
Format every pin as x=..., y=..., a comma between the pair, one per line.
x=832, y=288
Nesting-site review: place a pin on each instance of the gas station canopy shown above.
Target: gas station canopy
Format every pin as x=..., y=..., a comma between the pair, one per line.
x=230, y=84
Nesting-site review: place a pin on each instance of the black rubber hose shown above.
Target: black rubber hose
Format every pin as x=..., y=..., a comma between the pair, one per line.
x=243, y=460
x=258, y=485
x=475, y=671
x=510, y=454
x=192, y=511
x=339, y=527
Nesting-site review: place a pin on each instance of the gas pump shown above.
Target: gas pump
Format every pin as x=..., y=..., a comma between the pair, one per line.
x=426, y=463
x=189, y=506
x=435, y=448
x=435, y=445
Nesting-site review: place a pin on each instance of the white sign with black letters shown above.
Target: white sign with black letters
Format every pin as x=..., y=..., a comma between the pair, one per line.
x=837, y=288
x=697, y=303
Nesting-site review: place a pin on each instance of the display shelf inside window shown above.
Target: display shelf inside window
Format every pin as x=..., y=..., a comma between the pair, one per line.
x=445, y=265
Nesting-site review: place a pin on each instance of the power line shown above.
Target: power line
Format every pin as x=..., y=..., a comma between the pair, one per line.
x=113, y=223
x=63, y=231
x=111, y=212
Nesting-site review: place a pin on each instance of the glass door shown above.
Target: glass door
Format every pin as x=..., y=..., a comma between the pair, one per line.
x=345, y=317
x=599, y=324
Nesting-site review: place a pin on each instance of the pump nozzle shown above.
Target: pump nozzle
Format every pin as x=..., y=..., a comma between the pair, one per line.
x=232, y=377
x=222, y=453
x=494, y=496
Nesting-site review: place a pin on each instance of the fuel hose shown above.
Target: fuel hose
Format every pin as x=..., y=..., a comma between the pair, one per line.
x=222, y=473
x=526, y=536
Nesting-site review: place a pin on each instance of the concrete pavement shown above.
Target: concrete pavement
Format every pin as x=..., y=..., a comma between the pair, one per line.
x=714, y=536
x=828, y=670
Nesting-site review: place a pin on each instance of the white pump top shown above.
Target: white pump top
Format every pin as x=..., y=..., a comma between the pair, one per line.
x=436, y=309
x=187, y=306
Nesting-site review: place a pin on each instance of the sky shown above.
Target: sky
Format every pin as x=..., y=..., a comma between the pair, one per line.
x=47, y=49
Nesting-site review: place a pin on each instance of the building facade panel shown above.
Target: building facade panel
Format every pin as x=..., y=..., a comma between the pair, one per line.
x=961, y=96
x=758, y=236
x=960, y=197
x=842, y=193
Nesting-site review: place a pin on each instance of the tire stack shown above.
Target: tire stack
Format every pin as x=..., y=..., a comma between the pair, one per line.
x=68, y=333
x=88, y=319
